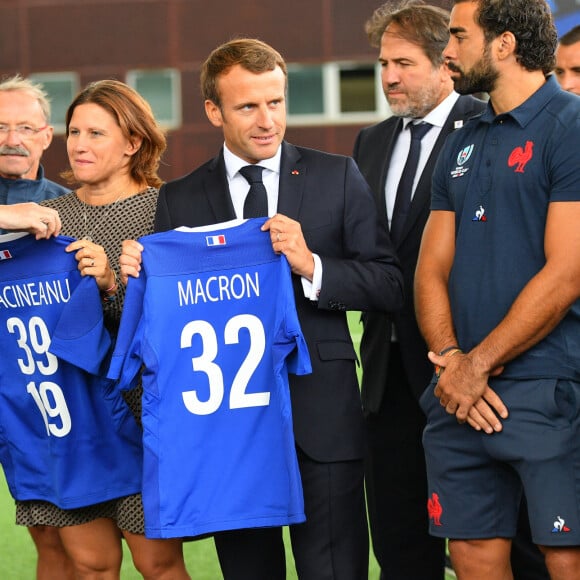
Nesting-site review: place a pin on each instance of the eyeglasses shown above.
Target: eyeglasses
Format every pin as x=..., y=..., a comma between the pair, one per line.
x=22, y=130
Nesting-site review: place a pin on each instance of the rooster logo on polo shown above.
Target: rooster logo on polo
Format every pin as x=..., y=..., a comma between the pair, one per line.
x=560, y=526
x=434, y=509
x=520, y=156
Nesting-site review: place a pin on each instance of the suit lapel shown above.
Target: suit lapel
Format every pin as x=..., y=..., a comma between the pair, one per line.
x=386, y=150
x=292, y=180
x=217, y=190
x=422, y=196
x=423, y=190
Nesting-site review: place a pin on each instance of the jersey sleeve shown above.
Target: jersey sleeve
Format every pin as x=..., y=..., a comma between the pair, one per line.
x=127, y=359
x=298, y=360
x=80, y=337
x=439, y=191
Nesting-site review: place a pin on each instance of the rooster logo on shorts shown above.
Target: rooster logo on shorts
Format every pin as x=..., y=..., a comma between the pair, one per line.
x=435, y=509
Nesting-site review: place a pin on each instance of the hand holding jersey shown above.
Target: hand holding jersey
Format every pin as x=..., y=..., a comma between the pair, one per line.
x=92, y=261
x=285, y=234
x=43, y=222
x=287, y=238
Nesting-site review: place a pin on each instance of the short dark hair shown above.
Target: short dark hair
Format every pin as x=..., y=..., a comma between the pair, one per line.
x=252, y=54
x=571, y=37
x=530, y=21
x=424, y=25
x=135, y=118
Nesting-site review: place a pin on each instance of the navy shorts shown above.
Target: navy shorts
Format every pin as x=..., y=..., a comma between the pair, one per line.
x=476, y=479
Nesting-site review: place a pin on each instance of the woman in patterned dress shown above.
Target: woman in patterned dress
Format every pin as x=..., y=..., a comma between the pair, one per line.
x=114, y=147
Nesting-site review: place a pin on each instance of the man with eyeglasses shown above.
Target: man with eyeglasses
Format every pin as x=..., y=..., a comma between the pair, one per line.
x=25, y=133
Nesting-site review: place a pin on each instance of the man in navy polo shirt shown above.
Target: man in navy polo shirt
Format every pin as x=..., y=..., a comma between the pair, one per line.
x=25, y=134
x=497, y=288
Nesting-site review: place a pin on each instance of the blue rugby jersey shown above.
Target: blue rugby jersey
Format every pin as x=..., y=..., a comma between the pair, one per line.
x=66, y=435
x=212, y=318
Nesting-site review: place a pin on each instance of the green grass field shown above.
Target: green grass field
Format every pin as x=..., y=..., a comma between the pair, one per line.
x=18, y=556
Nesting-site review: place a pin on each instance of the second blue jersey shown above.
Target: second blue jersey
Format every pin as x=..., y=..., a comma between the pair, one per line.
x=66, y=435
x=212, y=317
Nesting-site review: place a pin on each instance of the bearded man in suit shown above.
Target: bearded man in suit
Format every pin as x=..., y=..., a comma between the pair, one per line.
x=396, y=370
x=411, y=36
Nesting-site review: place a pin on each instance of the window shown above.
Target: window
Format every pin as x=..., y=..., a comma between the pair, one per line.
x=357, y=89
x=305, y=90
x=332, y=93
x=61, y=89
x=162, y=90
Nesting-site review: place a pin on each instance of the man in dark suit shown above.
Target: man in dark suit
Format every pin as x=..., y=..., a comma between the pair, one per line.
x=325, y=222
x=411, y=36
x=396, y=369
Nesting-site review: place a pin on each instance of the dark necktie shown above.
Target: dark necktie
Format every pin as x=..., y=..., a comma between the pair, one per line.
x=405, y=188
x=256, y=204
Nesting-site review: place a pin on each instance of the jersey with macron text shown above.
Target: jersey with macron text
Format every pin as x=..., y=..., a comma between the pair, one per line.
x=212, y=317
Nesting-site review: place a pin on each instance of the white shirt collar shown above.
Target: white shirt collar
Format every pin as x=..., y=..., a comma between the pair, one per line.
x=235, y=163
x=438, y=116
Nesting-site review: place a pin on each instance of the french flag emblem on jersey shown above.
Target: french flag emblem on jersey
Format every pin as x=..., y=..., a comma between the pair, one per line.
x=5, y=254
x=219, y=240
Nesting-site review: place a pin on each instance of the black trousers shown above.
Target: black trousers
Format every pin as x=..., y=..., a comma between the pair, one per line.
x=396, y=484
x=331, y=545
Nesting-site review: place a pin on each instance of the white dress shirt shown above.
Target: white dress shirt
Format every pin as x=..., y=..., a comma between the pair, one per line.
x=437, y=117
x=239, y=188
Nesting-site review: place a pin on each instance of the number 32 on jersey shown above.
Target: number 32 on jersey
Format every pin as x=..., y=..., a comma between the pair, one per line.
x=205, y=363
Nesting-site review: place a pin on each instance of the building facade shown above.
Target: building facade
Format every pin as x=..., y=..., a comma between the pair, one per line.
x=158, y=46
